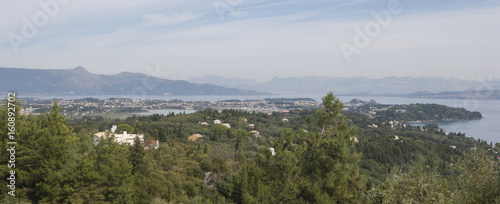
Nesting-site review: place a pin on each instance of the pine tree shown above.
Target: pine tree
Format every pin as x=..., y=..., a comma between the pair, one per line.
x=53, y=157
x=125, y=127
x=280, y=173
x=137, y=154
x=330, y=168
x=115, y=170
x=20, y=125
x=88, y=182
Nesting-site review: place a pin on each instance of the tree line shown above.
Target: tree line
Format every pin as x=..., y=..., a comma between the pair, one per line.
x=317, y=156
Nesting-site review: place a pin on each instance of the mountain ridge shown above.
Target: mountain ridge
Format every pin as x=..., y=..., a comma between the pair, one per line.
x=344, y=85
x=79, y=81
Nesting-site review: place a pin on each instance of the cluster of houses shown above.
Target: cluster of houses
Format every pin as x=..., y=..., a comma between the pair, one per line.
x=255, y=133
x=128, y=138
x=124, y=138
x=218, y=122
x=197, y=136
x=392, y=123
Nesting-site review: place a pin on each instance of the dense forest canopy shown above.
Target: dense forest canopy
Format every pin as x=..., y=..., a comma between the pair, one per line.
x=306, y=156
x=413, y=112
x=429, y=112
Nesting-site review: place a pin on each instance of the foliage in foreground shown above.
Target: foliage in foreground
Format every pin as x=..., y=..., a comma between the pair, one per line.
x=478, y=182
x=316, y=161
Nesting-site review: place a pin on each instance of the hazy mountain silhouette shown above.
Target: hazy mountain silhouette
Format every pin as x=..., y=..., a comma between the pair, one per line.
x=79, y=81
x=341, y=85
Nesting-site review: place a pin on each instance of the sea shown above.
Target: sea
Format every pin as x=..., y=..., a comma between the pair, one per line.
x=487, y=128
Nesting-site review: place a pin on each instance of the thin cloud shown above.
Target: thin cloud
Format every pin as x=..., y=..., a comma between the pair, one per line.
x=277, y=39
x=158, y=19
x=238, y=13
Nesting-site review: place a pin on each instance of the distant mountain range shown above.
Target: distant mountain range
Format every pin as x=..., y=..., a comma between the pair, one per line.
x=390, y=86
x=79, y=81
x=467, y=94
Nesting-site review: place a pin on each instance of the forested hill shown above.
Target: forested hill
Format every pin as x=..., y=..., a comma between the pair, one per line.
x=428, y=113
x=303, y=156
x=413, y=112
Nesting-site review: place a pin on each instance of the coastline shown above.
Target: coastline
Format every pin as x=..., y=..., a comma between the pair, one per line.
x=438, y=121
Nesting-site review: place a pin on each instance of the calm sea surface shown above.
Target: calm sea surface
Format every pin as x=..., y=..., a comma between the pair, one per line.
x=487, y=128
x=166, y=112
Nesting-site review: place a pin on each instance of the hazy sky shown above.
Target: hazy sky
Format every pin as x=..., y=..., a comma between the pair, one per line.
x=257, y=39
